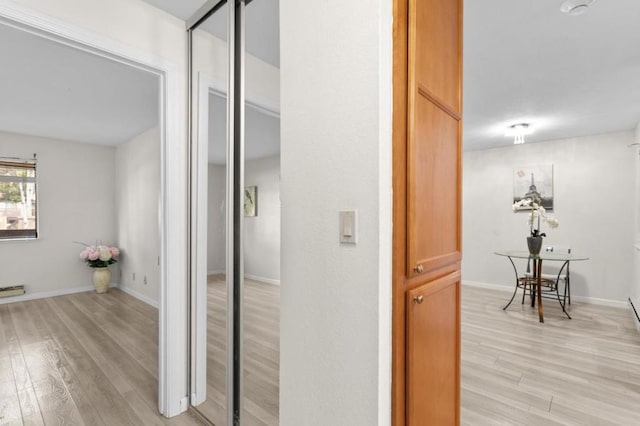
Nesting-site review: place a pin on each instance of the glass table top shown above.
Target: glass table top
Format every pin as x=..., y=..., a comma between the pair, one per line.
x=544, y=255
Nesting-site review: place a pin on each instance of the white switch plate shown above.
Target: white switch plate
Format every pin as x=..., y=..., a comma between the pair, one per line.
x=348, y=226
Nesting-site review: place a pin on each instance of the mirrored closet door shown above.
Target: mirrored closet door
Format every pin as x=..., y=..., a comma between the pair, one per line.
x=261, y=222
x=212, y=231
x=235, y=212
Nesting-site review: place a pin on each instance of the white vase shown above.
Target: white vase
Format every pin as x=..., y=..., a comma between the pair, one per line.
x=101, y=279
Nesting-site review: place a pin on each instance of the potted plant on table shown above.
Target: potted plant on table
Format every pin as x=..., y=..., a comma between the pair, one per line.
x=537, y=215
x=99, y=257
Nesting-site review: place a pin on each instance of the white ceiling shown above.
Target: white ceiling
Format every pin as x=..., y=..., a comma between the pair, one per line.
x=568, y=75
x=52, y=90
x=262, y=24
x=523, y=61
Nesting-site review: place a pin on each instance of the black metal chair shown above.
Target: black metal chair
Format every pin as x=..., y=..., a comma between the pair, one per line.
x=552, y=276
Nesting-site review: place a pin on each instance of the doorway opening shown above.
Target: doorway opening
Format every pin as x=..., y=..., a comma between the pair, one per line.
x=93, y=174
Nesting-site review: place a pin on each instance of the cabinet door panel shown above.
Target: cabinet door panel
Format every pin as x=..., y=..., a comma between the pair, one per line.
x=433, y=33
x=433, y=188
x=433, y=373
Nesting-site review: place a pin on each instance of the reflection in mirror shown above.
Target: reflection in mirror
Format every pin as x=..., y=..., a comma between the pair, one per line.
x=209, y=154
x=261, y=325
x=261, y=239
x=218, y=262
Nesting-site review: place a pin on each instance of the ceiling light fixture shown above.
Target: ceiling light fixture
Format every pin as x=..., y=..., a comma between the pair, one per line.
x=575, y=7
x=518, y=131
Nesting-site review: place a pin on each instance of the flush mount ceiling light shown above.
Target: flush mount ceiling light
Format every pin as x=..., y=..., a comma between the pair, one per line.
x=518, y=131
x=575, y=7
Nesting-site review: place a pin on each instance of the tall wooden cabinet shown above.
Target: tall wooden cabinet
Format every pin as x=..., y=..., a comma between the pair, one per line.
x=427, y=211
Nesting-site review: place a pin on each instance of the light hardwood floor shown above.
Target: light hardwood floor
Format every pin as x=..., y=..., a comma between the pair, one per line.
x=82, y=359
x=261, y=353
x=515, y=370
x=92, y=359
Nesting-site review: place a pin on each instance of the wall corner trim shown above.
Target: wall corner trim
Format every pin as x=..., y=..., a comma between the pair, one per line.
x=149, y=301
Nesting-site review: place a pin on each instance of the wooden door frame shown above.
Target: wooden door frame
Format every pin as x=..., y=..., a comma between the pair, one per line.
x=400, y=282
x=399, y=149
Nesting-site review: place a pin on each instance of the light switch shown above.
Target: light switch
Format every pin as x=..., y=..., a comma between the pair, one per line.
x=349, y=226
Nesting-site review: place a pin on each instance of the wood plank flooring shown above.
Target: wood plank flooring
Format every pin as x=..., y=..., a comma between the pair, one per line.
x=92, y=359
x=261, y=353
x=82, y=359
x=517, y=371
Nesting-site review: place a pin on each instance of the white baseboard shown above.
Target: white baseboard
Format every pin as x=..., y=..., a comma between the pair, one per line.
x=139, y=296
x=251, y=277
x=487, y=286
x=262, y=279
x=634, y=306
x=598, y=301
x=583, y=299
x=44, y=294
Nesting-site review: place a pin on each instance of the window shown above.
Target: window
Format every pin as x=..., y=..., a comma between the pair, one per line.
x=18, y=208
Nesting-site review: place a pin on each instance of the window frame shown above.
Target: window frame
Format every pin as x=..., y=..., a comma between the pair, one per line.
x=22, y=234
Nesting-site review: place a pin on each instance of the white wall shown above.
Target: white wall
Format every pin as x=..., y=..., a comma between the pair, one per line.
x=636, y=151
x=132, y=22
x=594, y=200
x=75, y=196
x=635, y=290
x=335, y=118
x=262, y=232
x=216, y=243
x=137, y=165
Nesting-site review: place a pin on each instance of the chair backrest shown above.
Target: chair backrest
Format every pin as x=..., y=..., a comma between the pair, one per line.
x=558, y=249
x=551, y=268
x=552, y=249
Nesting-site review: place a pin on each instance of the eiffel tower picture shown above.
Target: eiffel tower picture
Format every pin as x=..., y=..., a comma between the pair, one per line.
x=535, y=182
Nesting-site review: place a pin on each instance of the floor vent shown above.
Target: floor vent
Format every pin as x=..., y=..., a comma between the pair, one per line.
x=15, y=290
x=634, y=313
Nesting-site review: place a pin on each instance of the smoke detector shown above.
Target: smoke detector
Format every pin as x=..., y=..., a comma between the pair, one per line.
x=575, y=7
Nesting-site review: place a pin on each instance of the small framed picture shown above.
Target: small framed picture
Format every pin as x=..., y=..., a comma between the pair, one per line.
x=251, y=201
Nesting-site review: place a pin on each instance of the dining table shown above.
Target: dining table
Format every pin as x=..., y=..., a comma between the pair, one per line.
x=536, y=278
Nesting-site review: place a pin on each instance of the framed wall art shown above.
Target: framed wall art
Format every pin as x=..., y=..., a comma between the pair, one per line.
x=534, y=182
x=251, y=201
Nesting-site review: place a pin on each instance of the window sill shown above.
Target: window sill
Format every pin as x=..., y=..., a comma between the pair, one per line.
x=19, y=239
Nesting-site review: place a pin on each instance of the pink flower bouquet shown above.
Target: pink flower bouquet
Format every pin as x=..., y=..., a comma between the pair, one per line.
x=99, y=256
